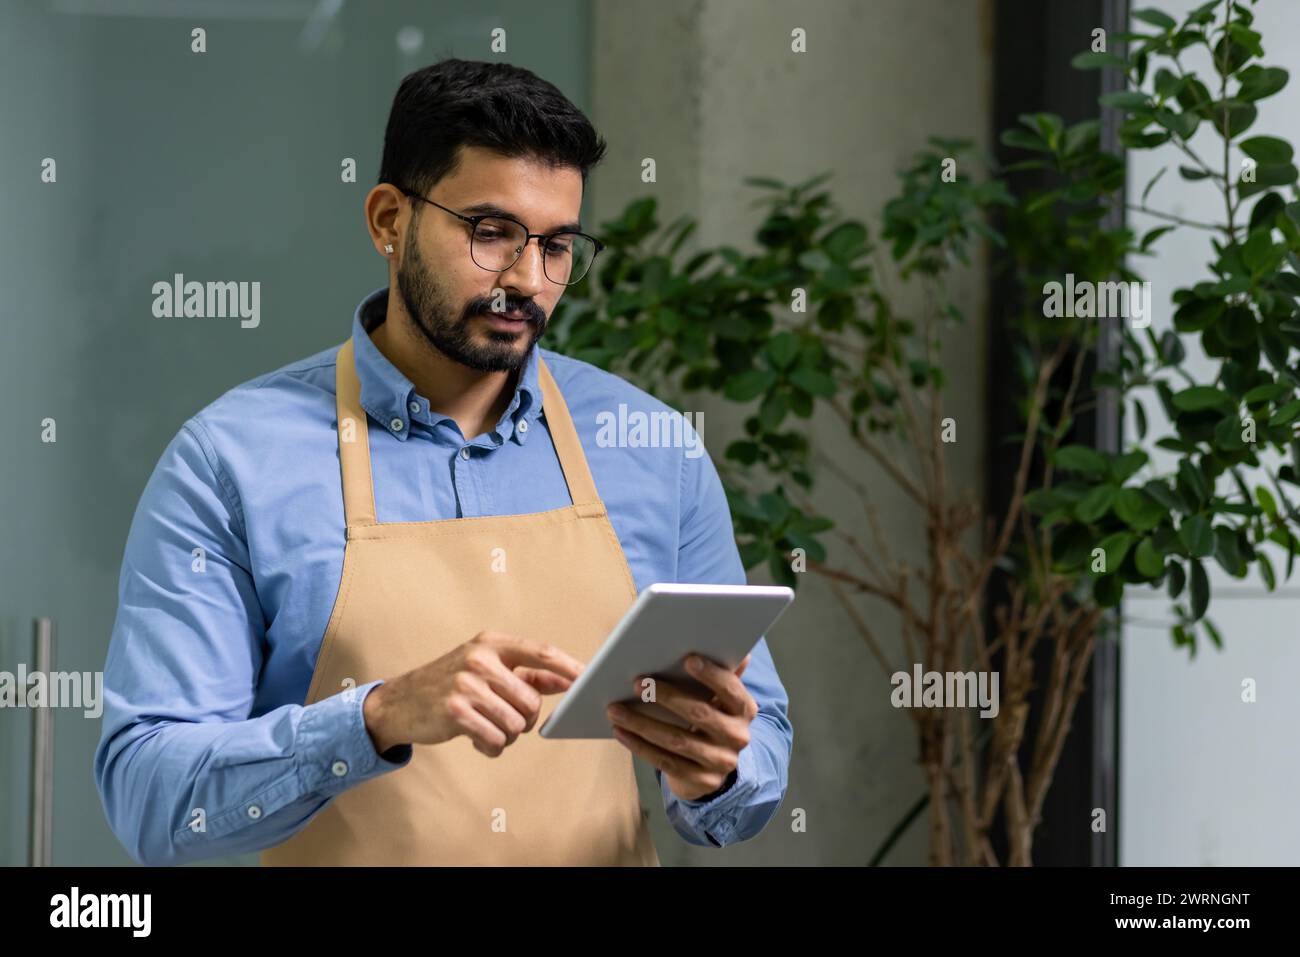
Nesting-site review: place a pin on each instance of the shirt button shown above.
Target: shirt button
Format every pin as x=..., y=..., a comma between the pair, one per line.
x=339, y=768
x=254, y=811
x=464, y=453
x=395, y=425
x=523, y=425
x=414, y=407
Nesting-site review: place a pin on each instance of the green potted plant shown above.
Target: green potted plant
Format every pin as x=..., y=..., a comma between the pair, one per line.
x=806, y=318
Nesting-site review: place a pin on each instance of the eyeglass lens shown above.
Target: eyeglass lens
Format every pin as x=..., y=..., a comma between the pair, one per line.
x=498, y=243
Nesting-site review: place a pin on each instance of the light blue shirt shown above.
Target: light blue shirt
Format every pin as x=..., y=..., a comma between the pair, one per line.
x=233, y=561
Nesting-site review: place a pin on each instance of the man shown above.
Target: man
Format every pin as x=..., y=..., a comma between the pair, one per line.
x=353, y=586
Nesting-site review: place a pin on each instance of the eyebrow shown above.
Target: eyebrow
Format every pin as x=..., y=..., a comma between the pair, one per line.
x=492, y=209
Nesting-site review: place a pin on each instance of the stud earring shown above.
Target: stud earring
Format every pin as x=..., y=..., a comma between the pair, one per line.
x=388, y=247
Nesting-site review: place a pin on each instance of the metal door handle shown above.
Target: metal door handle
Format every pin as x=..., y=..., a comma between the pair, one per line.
x=42, y=749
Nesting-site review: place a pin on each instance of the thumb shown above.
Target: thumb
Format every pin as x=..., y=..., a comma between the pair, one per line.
x=743, y=665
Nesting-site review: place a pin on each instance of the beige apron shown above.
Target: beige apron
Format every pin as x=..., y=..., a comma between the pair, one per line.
x=412, y=591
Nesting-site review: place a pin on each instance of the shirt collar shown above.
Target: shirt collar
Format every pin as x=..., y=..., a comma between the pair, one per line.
x=389, y=396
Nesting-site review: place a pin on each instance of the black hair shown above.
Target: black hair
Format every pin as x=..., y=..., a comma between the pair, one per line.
x=498, y=106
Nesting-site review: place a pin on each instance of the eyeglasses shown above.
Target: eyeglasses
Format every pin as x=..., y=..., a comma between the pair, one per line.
x=497, y=242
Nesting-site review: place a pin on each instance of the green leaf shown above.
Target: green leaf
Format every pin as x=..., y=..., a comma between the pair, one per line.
x=1123, y=466
x=1213, y=633
x=1166, y=496
x=1091, y=60
x=779, y=567
x=1266, y=570
x=1152, y=235
x=845, y=241
x=1227, y=551
x=1268, y=392
x=1246, y=38
x=815, y=260
x=1183, y=125
x=1232, y=117
x=1267, y=175
x=1227, y=434
x=1258, y=82
x=810, y=380
x=1172, y=350
x=746, y=453
x=1115, y=547
x=1267, y=502
x=1080, y=458
x=1200, y=397
x=774, y=507
x=783, y=348
x=749, y=384
x=1126, y=100
x=1150, y=563
x=1157, y=18
x=1255, y=255
x=1138, y=510
x=1197, y=314
x=1267, y=150
x=1285, y=415
x=1229, y=57
x=810, y=524
x=1177, y=579
x=772, y=410
x=1024, y=140
x=743, y=508
x=1041, y=501
x=1108, y=590
x=812, y=548
x=1095, y=504
x=1146, y=190
x=1080, y=135
x=751, y=553
x=1197, y=536
x=1192, y=484
x=1200, y=591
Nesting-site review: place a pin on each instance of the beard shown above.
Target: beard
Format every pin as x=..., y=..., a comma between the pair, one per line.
x=451, y=331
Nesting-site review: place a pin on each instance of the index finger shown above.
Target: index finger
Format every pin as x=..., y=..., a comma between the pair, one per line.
x=537, y=654
x=726, y=683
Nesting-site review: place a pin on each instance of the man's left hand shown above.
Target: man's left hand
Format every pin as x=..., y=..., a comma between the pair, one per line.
x=697, y=761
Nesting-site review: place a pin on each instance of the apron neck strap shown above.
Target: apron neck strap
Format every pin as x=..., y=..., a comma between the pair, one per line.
x=564, y=436
x=354, y=441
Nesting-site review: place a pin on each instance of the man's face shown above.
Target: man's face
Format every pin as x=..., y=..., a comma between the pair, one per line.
x=448, y=296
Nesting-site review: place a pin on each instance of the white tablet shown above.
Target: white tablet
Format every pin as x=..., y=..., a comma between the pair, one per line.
x=665, y=624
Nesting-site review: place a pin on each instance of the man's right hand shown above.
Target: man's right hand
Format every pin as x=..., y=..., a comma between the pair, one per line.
x=490, y=689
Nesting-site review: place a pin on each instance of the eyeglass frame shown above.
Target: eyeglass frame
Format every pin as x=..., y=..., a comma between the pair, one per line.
x=528, y=237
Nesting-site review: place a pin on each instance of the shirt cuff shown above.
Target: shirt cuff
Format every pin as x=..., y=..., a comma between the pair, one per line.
x=709, y=798
x=335, y=751
x=713, y=818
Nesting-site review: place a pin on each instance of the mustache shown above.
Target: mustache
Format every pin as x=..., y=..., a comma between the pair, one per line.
x=530, y=310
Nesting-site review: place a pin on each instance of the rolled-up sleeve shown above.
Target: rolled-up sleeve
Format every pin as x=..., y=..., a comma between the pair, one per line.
x=183, y=772
x=707, y=554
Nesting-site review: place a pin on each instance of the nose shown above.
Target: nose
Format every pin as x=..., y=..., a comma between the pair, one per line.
x=527, y=274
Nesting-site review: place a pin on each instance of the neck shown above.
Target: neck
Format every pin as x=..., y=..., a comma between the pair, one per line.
x=475, y=400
